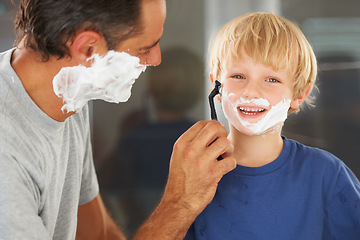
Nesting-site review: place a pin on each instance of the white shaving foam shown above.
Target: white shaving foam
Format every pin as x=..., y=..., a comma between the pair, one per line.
x=257, y=101
x=271, y=121
x=109, y=78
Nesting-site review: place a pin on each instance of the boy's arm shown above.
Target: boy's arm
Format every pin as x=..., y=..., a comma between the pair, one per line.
x=193, y=178
x=343, y=210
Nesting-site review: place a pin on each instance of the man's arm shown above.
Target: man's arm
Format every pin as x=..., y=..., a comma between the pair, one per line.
x=95, y=223
x=193, y=178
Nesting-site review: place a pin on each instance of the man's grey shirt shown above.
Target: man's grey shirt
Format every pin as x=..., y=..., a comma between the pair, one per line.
x=46, y=166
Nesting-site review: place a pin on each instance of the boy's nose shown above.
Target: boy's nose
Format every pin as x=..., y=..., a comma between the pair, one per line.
x=251, y=90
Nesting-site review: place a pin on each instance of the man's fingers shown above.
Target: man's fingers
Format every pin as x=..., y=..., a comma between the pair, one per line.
x=192, y=132
x=211, y=131
x=194, y=169
x=201, y=134
x=222, y=146
x=226, y=165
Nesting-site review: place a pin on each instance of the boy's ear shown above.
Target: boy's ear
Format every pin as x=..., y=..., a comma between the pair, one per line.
x=296, y=102
x=85, y=44
x=212, y=79
x=218, y=97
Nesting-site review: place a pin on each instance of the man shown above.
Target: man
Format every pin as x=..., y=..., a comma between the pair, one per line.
x=48, y=182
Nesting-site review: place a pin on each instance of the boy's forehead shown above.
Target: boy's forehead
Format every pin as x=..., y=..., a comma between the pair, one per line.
x=265, y=59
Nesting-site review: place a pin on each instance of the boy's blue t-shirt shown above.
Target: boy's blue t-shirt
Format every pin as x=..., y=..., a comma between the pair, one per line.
x=306, y=193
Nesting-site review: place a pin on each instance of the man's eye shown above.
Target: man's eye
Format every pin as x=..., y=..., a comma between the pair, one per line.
x=145, y=52
x=273, y=80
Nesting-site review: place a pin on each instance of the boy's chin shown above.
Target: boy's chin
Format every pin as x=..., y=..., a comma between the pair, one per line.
x=250, y=132
x=243, y=130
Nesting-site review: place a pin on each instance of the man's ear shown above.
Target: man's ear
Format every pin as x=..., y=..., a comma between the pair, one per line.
x=296, y=102
x=85, y=44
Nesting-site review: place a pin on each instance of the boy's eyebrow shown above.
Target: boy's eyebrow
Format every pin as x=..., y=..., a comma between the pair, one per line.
x=151, y=46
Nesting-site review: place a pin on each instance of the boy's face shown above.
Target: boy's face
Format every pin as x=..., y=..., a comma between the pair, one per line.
x=255, y=97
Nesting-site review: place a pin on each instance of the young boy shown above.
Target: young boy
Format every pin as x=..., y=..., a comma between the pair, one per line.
x=280, y=188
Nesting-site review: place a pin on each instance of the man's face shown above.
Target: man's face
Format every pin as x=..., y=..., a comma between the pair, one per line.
x=111, y=76
x=146, y=45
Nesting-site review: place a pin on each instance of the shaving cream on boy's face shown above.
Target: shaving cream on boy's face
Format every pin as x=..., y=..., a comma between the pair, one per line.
x=109, y=78
x=254, y=116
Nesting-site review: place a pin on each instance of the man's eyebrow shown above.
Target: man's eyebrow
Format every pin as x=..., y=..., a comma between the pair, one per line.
x=153, y=45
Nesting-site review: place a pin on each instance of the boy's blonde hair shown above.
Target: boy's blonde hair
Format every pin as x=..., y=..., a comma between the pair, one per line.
x=271, y=40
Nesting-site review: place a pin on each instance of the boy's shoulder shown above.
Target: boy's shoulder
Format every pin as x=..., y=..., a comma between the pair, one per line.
x=313, y=157
x=320, y=166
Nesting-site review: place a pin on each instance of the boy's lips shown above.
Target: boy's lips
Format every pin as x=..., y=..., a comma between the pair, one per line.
x=251, y=111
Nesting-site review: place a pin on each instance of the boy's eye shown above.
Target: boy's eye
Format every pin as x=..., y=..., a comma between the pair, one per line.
x=272, y=80
x=238, y=76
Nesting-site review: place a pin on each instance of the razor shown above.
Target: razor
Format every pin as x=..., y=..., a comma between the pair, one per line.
x=212, y=95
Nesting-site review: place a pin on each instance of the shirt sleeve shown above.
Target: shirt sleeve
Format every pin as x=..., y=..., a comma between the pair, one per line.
x=19, y=201
x=344, y=207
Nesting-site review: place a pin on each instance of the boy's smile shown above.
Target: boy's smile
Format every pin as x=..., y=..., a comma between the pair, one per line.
x=250, y=110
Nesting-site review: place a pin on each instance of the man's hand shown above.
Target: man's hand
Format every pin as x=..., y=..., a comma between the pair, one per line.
x=193, y=179
x=194, y=168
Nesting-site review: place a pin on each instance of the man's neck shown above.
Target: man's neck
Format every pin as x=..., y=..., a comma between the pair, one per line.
x=36, y=77
x=258, y=150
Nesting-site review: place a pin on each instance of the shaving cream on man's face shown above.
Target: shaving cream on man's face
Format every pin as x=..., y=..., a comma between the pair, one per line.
x=110, y=78
x=254, y=116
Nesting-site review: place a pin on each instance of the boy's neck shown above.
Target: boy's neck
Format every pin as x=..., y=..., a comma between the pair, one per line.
x=255, y=151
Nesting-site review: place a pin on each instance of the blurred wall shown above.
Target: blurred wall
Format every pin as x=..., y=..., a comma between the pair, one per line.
x=333, y=29
x=7, y=16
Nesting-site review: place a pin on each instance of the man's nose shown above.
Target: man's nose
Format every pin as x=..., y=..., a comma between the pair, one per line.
x=154, y=57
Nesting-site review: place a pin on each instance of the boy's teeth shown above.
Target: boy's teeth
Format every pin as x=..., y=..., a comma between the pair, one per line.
x=251, y=111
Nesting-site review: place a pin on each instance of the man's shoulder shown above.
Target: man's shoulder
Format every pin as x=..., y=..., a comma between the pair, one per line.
x=7, y=80
x=5, y=65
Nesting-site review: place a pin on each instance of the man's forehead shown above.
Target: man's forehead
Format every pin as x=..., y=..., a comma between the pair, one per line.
x=153, y=16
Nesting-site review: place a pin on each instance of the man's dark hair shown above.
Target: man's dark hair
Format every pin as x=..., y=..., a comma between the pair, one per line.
x=46, y=25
